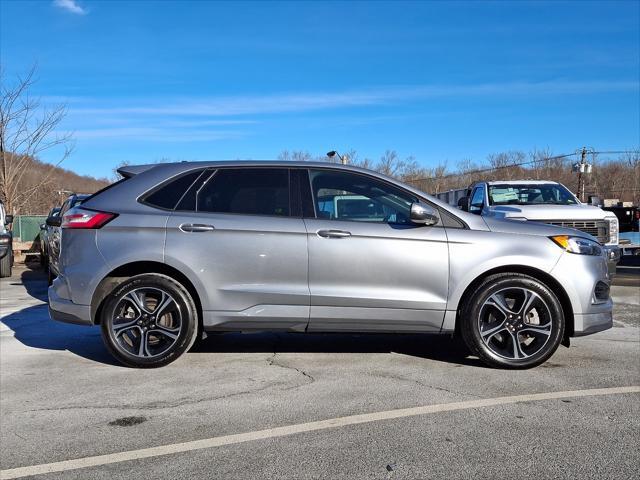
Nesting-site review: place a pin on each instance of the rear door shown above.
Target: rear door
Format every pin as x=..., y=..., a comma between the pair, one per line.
x=370, y=267
x=236, y=232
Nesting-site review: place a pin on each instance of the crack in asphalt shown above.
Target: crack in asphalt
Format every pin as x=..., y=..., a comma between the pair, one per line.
x=422, y=384
x=158, y=406
x=271, y=361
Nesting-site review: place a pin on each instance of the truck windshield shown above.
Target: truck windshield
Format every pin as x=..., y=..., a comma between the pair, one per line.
x=531, y=194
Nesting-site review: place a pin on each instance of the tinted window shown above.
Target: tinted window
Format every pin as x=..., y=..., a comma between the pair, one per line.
x=169, y=194
x=188, y=201
x=353, y=197
x=254, y=191
x=65, y=206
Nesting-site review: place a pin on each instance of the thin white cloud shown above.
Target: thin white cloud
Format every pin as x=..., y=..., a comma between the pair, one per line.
x=155, y=134
x=211, y=119
x=302, y=102
x=70, y=6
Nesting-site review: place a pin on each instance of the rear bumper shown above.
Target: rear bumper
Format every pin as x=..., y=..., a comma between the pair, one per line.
x=64, y=310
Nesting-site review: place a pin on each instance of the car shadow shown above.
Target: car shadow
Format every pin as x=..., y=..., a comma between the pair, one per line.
x=440, y=348
x=33, y=327
x=34, y=280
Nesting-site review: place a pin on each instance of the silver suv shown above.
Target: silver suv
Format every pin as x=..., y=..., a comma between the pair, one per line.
x=175, y=250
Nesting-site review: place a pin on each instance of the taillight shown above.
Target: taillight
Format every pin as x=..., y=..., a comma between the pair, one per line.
x=79, y=218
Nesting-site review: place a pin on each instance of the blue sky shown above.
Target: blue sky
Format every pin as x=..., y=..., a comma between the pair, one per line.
x=441, y=81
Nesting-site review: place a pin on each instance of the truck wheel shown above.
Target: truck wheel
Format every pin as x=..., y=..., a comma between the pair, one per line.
x=149, y=321
x=512, y=320
x=5, y=265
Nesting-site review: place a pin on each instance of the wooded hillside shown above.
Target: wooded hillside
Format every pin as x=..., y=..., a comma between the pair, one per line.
x=43, y=195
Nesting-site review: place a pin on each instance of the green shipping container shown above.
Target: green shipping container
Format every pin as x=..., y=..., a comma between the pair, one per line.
x=27, y=227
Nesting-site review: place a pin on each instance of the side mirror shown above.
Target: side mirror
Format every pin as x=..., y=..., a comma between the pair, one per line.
x=423, y=214
x=54, y=221
x=8, y=220
x=463, y=203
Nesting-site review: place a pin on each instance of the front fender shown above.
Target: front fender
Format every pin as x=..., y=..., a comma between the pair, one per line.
x=473, y=253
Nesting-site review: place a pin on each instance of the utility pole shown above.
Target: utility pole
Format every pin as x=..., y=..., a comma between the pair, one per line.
x=582, y=168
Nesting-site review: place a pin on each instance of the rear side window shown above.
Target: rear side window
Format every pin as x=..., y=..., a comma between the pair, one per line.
x=169, y=194
x=252, y=191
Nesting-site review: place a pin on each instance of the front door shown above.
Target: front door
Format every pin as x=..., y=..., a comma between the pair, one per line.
x=370, y=267
x=235, y=232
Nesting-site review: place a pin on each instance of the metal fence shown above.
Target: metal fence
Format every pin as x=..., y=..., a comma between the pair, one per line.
x=27, y=227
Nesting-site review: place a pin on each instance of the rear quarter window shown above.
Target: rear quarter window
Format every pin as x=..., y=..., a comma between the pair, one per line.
x=169, y=194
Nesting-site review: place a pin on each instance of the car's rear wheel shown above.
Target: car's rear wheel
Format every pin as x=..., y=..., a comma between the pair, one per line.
x=149, y=321
x=512, y=321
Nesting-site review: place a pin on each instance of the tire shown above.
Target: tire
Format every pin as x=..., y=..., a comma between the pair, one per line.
x=50, y=276
x=130, y=329
x=512, y=321
x=6, y=263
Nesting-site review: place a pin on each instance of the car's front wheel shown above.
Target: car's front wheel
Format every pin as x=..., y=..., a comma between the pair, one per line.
x=6, y=263
x=512, y=321
x=149, y=321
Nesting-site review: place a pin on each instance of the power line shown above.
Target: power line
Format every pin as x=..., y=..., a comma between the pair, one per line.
x=511, y=165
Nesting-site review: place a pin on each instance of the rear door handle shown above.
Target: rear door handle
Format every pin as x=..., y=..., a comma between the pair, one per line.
x=333, y=234
x=196, y=227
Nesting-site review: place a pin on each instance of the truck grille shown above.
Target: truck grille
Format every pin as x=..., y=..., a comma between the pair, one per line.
x=597, y=228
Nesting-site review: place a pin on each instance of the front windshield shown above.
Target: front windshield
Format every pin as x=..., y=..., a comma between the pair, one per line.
x=531, y=194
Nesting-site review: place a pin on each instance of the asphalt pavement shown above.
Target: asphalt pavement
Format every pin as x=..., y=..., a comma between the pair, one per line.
x=312, y=406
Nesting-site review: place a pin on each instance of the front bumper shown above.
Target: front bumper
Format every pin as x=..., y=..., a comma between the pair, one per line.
x=579, y=275
x=589, y=323
x=64, y=310
x=5, y=244
x=612, y=253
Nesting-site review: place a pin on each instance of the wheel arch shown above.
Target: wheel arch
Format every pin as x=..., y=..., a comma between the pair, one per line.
x=118, y=275
x=538, y=274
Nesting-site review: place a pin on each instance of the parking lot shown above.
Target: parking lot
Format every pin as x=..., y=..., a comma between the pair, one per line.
x=251, y=401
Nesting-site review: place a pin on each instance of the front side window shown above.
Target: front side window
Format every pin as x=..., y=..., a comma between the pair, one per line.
x=358, y=198
x=523, y=194
x=477, y=200
x=252, y=191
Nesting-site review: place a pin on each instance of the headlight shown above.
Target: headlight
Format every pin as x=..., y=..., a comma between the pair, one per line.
x=613, y=229
x=579, y=245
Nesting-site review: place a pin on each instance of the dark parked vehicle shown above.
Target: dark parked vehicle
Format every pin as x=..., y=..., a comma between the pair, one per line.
x=6, y=243
x=627, y=216
x=175, y=249
x=45, y=234
x=55, y=222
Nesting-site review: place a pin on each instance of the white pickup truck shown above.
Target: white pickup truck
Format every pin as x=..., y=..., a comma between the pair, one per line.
x=539, y=201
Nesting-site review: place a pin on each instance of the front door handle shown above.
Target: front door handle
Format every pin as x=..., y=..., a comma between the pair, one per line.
x=196, y=227
x=333, y=234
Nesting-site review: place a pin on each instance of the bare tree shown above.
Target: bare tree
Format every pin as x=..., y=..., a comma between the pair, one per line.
x=27, y=129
